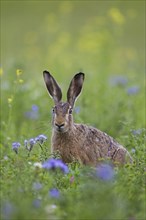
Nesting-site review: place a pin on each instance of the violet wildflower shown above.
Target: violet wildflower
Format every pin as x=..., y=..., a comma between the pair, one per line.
x=105, y=172
x=33, y=113
x=53, y=164
x=7, y=210
x=54, y=193
x=41, y=138
x=37, y=186
x=136, y=132
x=133, y=90
x=77, y=110
x=36, y=203
x=15, y=146
x=118, y=80
x=29, y=144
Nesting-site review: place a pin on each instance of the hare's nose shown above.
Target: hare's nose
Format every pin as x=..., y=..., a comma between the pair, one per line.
x=59, y=126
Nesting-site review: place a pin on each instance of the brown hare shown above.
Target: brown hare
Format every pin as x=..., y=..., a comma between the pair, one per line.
x=79, y=142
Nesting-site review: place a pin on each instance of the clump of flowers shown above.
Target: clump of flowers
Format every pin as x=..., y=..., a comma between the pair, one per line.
x=15, y=146
x=53, y=164
x=105, y=172
x=118, y=80
x=54, y=193
x=33, y=113
x=133, y=90
x=40, y=139
x=29, y=144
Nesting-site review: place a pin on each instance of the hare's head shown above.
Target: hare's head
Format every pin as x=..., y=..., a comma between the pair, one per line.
x=62, y=111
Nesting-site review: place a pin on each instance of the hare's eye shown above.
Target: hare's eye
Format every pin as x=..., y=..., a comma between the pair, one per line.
x=53, y=110
x=70, y=111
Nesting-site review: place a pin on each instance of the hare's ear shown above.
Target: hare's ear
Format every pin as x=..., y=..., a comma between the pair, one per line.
x=75, y=88
x=52, y=86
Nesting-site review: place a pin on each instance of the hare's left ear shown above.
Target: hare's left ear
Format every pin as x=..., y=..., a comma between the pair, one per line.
x=75, y=88
x=52, y=86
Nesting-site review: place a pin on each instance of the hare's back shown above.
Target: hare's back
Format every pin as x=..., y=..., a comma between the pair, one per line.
x=98, y=144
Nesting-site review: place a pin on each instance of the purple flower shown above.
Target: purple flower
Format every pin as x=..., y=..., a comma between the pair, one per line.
x=7, y=210
x=37, y=186
x=33, y=113
x=133, y=90
x=54, y=193
x=136, y=132
x=105, y=172
x=118, y=80
x=53, y=164
x=29, y=144
x=77, y=110
x=41, y=138
x=15, y=146
x=36, y=203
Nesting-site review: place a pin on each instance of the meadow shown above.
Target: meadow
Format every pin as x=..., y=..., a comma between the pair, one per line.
x=106, y=41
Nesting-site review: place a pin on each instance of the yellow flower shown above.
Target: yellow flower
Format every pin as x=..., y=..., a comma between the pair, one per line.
x=18, y=72
x=21, y=80
x=1, y=71
x=10, y=100
x=116, y=15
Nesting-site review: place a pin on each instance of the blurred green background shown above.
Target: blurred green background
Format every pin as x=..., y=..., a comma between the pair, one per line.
x=104, y=39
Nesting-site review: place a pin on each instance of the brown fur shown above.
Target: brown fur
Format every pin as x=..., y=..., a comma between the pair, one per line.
x=79, y=142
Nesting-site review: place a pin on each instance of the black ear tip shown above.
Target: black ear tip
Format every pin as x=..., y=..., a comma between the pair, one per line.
x=46, y=72
x=79, y=75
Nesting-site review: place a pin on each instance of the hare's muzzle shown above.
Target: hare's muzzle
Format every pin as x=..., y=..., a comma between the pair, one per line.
x=59, y=127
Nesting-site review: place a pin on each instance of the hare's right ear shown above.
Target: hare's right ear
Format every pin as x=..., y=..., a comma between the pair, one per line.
x=75, y=88
x=52, y=86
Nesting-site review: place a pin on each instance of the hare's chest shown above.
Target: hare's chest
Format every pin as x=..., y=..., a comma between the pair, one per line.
x=65, y=147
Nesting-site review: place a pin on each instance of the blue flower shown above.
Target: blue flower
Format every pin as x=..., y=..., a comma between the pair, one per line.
x=118, y=80
x=105, y=172
x=29, y=144
x=37, y=186
x=41, y=138
x=133, y=90
x=54, y=193
x=136, y=132
x=53, y=164
x=15, y=146
x=77, y=109
x=33, y=113
x=7, y=210
x=36, y=203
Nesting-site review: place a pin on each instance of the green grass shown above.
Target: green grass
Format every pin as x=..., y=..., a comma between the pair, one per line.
x=105, y=40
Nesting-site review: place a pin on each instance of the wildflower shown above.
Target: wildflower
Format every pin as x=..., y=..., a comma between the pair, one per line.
x=18, y=72
x=29, y=144
x=36, y=203
x=118, y=80
x=1, y=71
x=15, y=146
x=54, y=193
x=105, y=172
x=133, y=90
x=7, y=210
x=37, y=164
x=37, y=186
x=41, y=138
x=53, y=164
x=136, y=132
x=33, y=113
x=72, y=178
x=77, y=110
x=133, y=150
x=50, y=208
